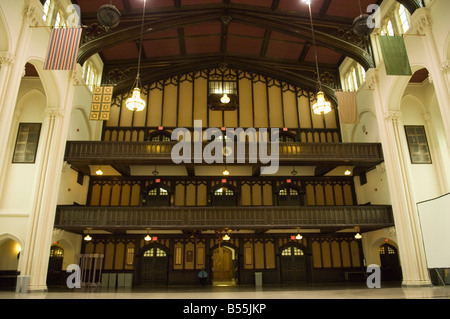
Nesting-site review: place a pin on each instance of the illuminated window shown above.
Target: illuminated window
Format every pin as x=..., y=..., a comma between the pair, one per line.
x=352, y=80
x=155, y=252
x=292, y=251
x=404, y=18
x=58, y=20
x=362, y=73
x=388, y=29
x=46, y=10
x=224, y=191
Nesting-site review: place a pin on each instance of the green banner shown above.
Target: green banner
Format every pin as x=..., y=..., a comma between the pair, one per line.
x=395, y=56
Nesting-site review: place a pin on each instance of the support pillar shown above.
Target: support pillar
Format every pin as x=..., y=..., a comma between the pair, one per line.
x=421, y=22
x=11, y=77
x=41, y=221
x=407, y=225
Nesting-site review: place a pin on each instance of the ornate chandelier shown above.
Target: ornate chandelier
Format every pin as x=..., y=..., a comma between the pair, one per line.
x=322, y=106
x=135, y=102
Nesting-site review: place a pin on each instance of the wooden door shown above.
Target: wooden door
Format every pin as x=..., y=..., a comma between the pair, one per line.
x=222, y=264
x=293, y=265
x=154, y=267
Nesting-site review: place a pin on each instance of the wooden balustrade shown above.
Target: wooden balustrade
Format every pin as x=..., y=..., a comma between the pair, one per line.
x=78, y=217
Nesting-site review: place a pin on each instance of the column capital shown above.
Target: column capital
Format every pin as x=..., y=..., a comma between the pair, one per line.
x=421, y=20
x=445, y=66
x=393, y=115
x=33, y=15
x=7, y=58
x=53, y=112
x=76, y=75
x=372, y=78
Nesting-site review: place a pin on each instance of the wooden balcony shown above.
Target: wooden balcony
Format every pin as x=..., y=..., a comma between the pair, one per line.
x=324, y=155
x=326, y=218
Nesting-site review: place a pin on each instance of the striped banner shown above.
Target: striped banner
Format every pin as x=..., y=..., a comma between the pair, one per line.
x=63, y=48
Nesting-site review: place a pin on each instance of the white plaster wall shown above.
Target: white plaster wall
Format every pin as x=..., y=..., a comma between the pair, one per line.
x=426, y=182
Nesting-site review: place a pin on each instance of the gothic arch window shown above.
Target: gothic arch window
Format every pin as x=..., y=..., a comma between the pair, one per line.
x=160, y=136
x=156, y=195
x=224, y=195
x=403, y=16
x=289, y=196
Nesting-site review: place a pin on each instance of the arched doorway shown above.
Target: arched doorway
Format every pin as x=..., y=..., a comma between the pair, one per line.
x=390, y=263
x=224, y=266
x=293, y=264
x=55, y=265
x=153, y=265
x=9, y=252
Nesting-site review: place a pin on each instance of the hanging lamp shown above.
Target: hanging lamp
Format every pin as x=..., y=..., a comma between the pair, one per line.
x=135, y=103
x=322, y=106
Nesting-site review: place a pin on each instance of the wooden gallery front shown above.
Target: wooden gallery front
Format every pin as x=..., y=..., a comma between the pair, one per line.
x=163, y=222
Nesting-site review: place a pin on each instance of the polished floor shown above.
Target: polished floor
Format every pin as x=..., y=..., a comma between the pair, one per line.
x=341, y=291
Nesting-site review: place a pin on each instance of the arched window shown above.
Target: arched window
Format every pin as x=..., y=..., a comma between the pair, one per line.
x=224, y=196
x=155, y=252
x=46, y=6
x=388, y=29
x=160, y=136
x=156, y=196
x=292, y=251
x=289, y=196
x=404, y=18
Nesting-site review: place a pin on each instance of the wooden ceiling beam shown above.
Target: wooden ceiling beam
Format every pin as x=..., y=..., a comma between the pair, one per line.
x=269, y=19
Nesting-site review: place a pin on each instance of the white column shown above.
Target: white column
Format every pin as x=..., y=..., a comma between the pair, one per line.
x=49, y=169
x=442, y=170
x=445, y=69
x=11, y=84
x=7, y=60
x=421, y=22
x=409, y=236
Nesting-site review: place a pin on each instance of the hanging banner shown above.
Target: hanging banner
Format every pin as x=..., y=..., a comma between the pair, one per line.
x=63, y=48
x=348, y=109
x=395, y=57
x=101, y=103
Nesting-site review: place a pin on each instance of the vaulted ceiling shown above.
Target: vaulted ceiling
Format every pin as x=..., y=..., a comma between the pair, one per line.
x=270, y=37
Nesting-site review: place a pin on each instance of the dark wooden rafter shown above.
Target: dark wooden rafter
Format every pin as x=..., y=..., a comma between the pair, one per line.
x=287, y=72
x=296, y=26
x=411, y=5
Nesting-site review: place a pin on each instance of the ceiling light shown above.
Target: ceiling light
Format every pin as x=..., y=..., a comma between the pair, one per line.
x=99, y=172
x=135, y=102
x=298, y=237
x=147, y=238
x=88, y=238
x=226, y=237
x=226, y=172
x=225, y=99
x=358, y=236
x=348, y=172
x=322, y=106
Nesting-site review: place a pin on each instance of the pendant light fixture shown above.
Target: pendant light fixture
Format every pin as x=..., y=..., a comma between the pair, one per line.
x=135, y=102
x=322, y=106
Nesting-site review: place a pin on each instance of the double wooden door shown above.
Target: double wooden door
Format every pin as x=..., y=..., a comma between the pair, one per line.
x=222, y=264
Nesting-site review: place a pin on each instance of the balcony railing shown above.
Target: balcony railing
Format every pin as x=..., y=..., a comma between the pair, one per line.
x=146, y=152
x=78, y=217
